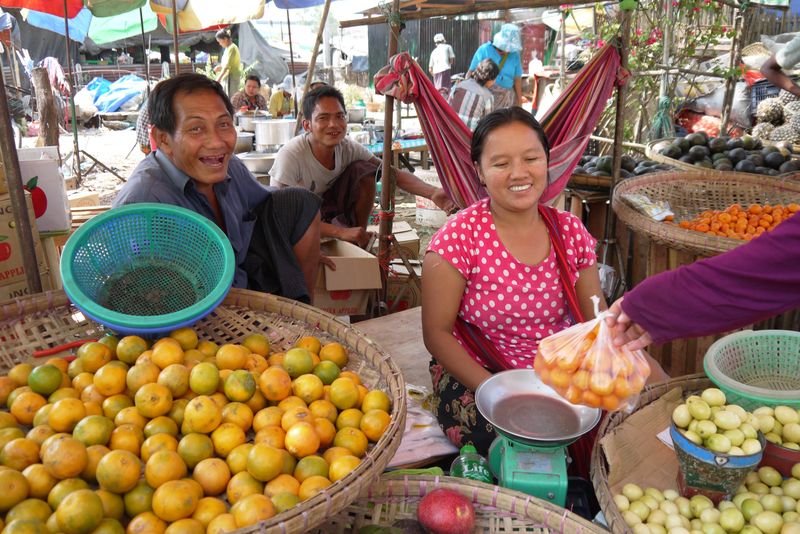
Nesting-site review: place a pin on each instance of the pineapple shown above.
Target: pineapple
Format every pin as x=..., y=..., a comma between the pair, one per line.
x=794, y=122
x=785, y=97
x=762, y=130
x=790, y=110
x=785, y=133
x=770, y=110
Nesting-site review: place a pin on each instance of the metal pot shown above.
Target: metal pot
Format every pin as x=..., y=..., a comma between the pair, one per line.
x=246, y=119
x=356, y=114
x=274, y=131
x=244, y=142
x=257, y=162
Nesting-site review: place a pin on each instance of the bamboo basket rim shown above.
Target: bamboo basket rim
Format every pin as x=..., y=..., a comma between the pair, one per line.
x=673, y=236
x=756, y=49
x=599, y=469
x=53, y=309
x=508, y=503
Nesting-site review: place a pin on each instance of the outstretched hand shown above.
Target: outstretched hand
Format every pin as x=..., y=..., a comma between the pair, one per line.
x=440, y=198
x=626, y=333
x=356, y=235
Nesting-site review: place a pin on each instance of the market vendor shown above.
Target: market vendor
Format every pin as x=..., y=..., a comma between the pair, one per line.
x=504, y=50
x=229, y=70
x=785, y=58
x=341, y=171
x=274, y=234
x=250, y=98
x=281, y=103
x=743, y=286
x=502, y=275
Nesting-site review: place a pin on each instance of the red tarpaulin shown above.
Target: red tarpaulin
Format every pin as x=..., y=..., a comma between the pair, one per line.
x=52, y=7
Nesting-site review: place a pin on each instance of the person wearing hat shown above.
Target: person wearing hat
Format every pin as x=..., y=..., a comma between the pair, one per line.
x=440, y=63
x=229, y=70
x=281, y=103
x=504, y=50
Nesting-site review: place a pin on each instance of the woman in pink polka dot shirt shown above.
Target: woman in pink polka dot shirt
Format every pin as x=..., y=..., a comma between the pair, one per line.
x=493, y=266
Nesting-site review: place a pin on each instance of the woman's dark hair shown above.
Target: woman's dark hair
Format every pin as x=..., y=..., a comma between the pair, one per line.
x=501, y=117
x=486, y=71
x=254, y=78
x=160, y=104
x=312, y=97
x=223, y=35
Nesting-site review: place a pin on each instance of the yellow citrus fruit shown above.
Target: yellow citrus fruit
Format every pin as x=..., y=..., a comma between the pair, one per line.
x=40, y=481
x=65, y=458
x=130, y=416
x=139, y=499
x=16, y=393
x=269, y=416
x=192, y=357
x=75, y=368
x=256, y=363
x=308, y=387
x=222, y=524
x=310, y=343
x=202, y=415
x=352, y=439
x=7, y=385
x=349, y=418
x=19, y=453
x=284, y=501
x=65, y=414
x=257, y=343
x=327, y=371
x=213, y=475
x=274, y=436
x=118, y=471
x=240, y=385
x=194, y=447
x=42, y=415
x=40, y=433
x=295, y=415
x=63, y=393
x=289, y=462
x=352, y=376
x=276, y=359
x=302, y=440
x=208, y=508
x=129, y=348
x=208, y=348
x=186, y=337
x=252, y=509
x=115, y=404
x=174, y=500
x=177, y=410
x=204, y=378
x=376, y=400
x=237, y=458
x=93, y=430
x=19, y=373
x=325, y=430
x=153, y=400
x=323, y=409
x=158, y=442
x=298, y=361
x=311, y=486
x=175, y=378
x=166, y=351
x=64, y=488
x=241, y=485
x=8, y=434
x=344, y=393
x=81, y=511
x=94, y=453
x=161, y=425
x=226, y=437
x=93, y=356
x=239, y=414
x=231, y=356
x=332, y=453
x=282, y=483
x=128, y=438
x=30, y=509
x=309, y=466
x=113, y=505
x=275, y=383
x=187, y=525
x=146, y=523
x=111, y=378
x=141, y=374
x=109, y=340
x=25, y=406
x=264, y=462
x=45, y=379
x=163, y=466
x=335, y=353
x=374, y=423
x=342, y=466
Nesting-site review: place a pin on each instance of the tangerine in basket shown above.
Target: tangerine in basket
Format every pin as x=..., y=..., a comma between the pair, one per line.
x=45, y=379
x=298, y=361
x=257, y=343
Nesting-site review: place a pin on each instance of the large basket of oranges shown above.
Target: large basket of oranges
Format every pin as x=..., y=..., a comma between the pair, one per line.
x=214, y=427
x=707, y=208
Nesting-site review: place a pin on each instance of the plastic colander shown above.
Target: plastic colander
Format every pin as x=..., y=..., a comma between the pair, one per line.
x=757, y=368
x=147, y=268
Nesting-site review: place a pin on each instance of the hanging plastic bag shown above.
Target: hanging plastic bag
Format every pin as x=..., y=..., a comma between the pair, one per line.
x=585, y=367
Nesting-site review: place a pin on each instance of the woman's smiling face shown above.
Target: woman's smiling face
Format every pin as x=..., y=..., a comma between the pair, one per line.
x=513, y=165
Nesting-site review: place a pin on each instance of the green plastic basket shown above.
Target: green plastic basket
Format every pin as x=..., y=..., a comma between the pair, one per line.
x=147, y=268
x=757, y=368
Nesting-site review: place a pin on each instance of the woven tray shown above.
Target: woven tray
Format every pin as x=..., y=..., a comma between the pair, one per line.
x=689, y=194
x=497, y=510
x=587, y=180
x=47, y=319
x=599, y=469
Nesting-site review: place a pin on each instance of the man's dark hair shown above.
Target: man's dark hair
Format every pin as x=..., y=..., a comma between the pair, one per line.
x=223, y=35
x=312, y=97
x=160, y=105
x=254, y=78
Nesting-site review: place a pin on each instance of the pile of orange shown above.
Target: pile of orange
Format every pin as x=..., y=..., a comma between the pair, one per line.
x=585, y=371
x=179, y=436
x=741, y=223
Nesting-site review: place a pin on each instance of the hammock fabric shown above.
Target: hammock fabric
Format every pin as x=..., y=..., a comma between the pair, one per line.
x=568, y=123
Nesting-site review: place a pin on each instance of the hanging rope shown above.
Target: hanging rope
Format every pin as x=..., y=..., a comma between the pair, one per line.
x=662, y=121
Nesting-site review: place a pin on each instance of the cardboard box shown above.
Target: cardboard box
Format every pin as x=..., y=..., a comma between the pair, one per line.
x=401, y=292
x=41, y=176
x=21, y=289
x=406, y=237
x=12, y=270
x=346, y=290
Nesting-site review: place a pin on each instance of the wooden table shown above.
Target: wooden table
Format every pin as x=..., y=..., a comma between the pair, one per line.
x=400, y=152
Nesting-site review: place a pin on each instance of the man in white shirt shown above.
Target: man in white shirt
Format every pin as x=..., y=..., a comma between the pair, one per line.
x=785, y=58
x=440, y=63
x=341, y=171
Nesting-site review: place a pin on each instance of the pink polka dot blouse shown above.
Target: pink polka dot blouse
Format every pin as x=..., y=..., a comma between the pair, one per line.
x=515, y=305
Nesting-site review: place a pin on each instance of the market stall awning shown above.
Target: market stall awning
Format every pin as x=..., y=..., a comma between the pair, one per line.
x=98, y=29
x=52, y=7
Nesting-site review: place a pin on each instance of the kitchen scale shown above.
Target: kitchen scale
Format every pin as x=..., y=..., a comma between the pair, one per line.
x=534, y=426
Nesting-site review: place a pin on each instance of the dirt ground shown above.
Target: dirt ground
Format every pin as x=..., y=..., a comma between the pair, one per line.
x=118, y=150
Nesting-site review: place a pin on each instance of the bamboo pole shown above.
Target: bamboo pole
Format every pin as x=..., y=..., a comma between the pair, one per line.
x=388, y=178
x=175, y=36
x=313, y=63
x=730, y=84
x=17, y=193
x=75, y=146
x=144, y=51
x=291, y=62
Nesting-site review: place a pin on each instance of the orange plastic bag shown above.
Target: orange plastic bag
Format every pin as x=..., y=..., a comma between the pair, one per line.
x=585, y=367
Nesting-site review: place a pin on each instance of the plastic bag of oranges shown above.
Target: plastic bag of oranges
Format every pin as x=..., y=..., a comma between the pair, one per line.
x=585, y=367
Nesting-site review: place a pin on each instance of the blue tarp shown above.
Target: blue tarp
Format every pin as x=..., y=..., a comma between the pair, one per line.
x=98, y=87
x=119, y=92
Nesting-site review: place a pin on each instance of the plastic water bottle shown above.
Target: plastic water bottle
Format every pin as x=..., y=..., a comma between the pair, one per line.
x=470, y=464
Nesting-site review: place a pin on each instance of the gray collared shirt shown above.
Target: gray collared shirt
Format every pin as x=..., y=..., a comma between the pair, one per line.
x=157, y=179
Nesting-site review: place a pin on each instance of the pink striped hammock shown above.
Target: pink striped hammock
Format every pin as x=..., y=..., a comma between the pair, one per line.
x=568, y=123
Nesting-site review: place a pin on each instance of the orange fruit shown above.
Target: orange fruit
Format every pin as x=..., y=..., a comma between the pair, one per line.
x=601, y=384
x=161, y=425
x=165, y=352
x=208, y=348
x=241, y=485
x=192, y=357
x=81, y=511
x=269, y=416
x=175, y=378
x=111, y=378
x=195, y=447
x=158, y=442
x=65, y=414
x=308, y=387
x=276, y=359
x=309, y=466
x=42, y=415
x=19, y=373
x=65, y=458
x=327, y=371
x=226, y=437
x=130, y=416
x=302, y=440
x=141, y=374
x=349, y=418
x=16, y=393
x=187, y=525
x=256, y=363
x=275, y=383
x=295, y=415
x=186, y=337
x=352, y=376
x=310, y=343
x=298, y=361
x=30, y=509
x=264, y=462
x=202, y=415
x=128, y=438
x=26, y=405
x=94, y=453
x=334, y=352
x=342, y=466
x=40, y=481
x=139, y=499
x=352, y=439
x=213, y=475
x=163, y=466
x=146, y=523
x=7, y=385
x=222, y=524
x=291, y=402
x=240, y=385
x=311, y=486
x=45, y=379
x=257, y=343
x=40, y=433
x=374, y=423
x=376, y=400
x=239, y=414
x=252, y=509
x=129, y=348
x=237, y=458
x=204, y=378
x=19, y=453
x=64, y=488
x=153, y=400
x=323, y=409
x=232, y=356
x=116, y=403
x=174, y=500
x=93, y=356
x=7, y=434
x=178, y=408
x=274, y=436
x=344, y=393
x=289, y=462
x=332, y=453
x=282, y=483
x=208, y=508
x=63, y=393
x=118, y=471
x=75, y=368
x=284, y=501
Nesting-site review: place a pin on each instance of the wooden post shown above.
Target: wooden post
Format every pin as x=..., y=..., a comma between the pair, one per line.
x=313, y=63
x=730, y=83
x=75, y=145
x=175, y=36
x=146, y=54
x=17, y=194
x=291, y=62
x=48, y=117
x=388, y=178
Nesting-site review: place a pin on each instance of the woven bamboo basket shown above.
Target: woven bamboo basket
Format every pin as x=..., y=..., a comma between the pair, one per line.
x=756, y=49
x=600, y=471
x=689, y=194
x=587, y=180
x=497, y=510
x=48, y=319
